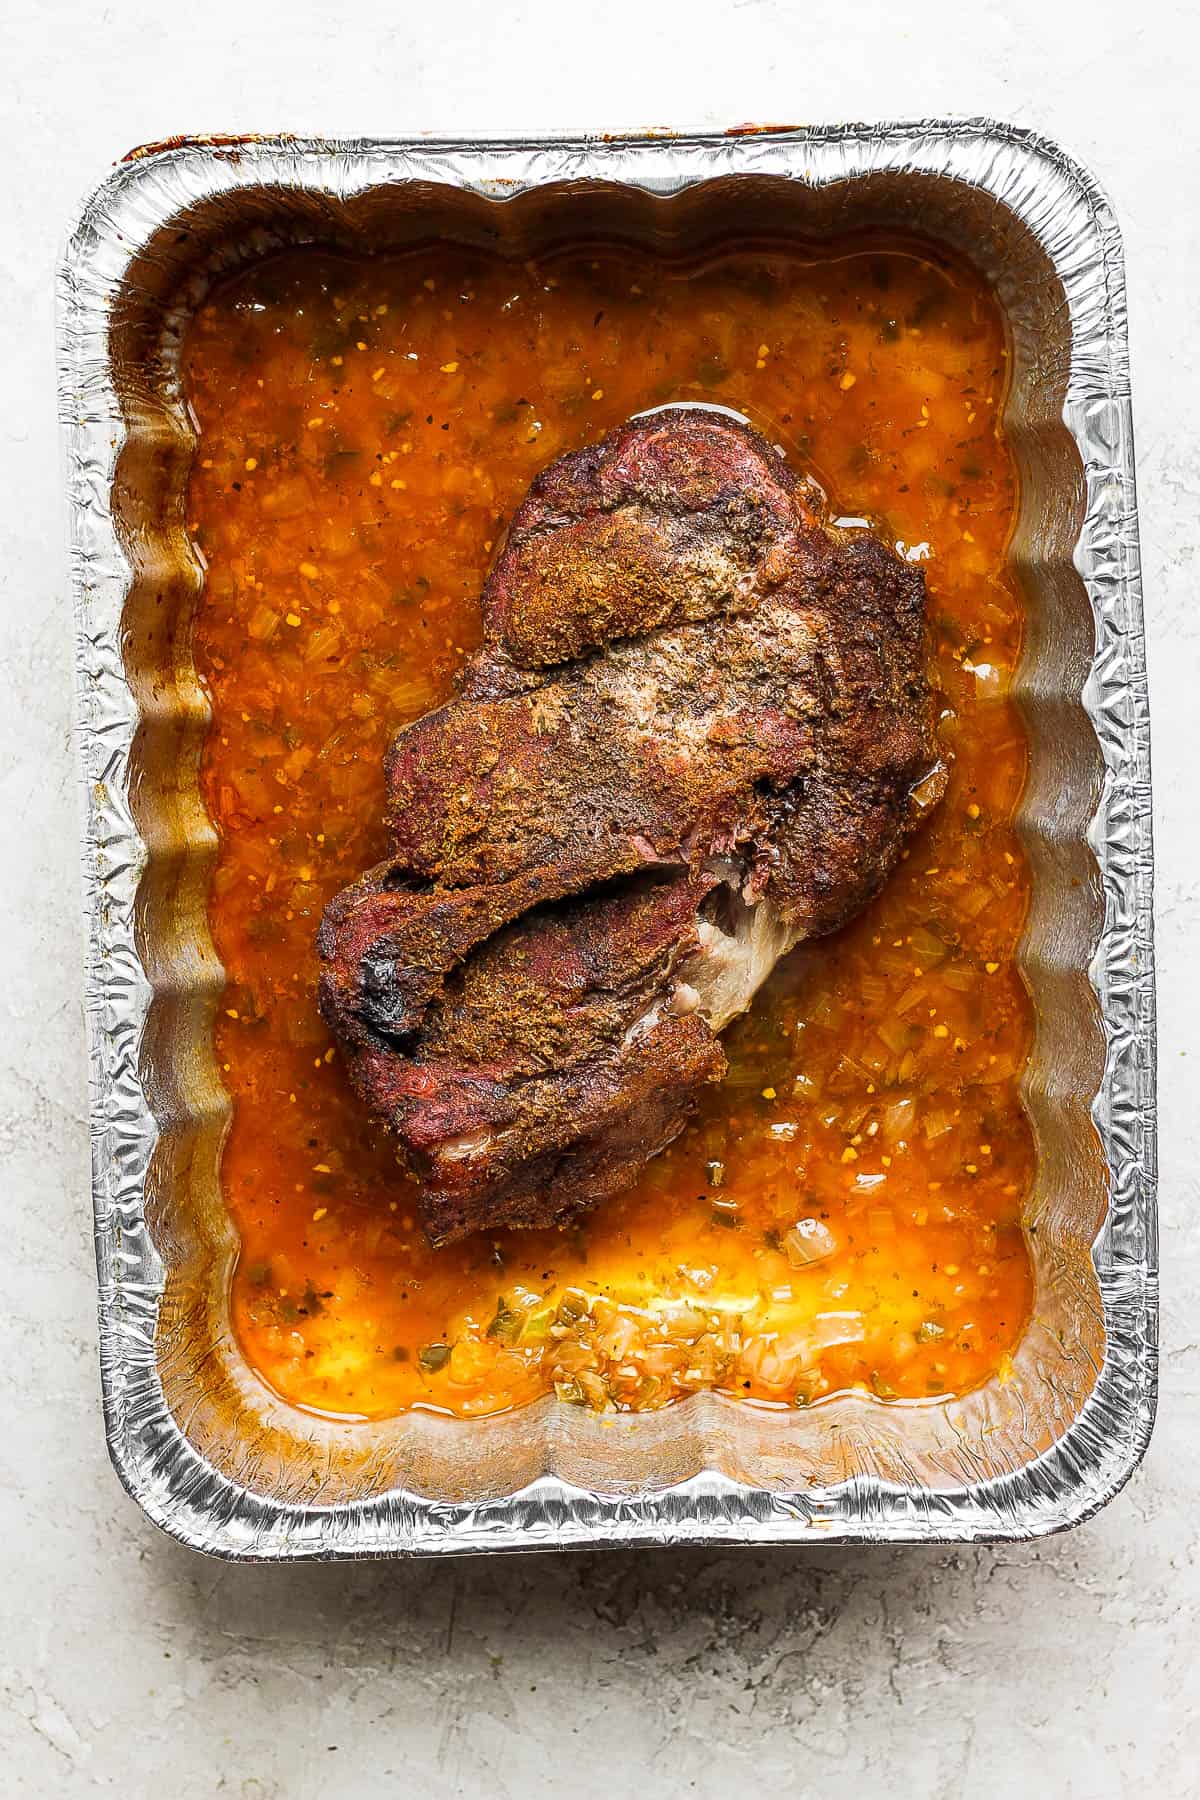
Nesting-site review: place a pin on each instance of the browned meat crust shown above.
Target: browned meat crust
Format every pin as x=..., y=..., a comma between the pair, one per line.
x=698, y=730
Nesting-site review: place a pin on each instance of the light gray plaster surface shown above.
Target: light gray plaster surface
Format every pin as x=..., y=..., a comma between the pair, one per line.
x=1068, y=1670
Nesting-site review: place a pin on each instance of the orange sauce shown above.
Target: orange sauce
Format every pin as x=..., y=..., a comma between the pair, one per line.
x=365, y=429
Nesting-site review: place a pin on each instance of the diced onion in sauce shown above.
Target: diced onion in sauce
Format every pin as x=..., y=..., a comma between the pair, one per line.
x=808, y=1241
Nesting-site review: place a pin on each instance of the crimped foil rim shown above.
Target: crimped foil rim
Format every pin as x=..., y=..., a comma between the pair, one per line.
x=178, y=1489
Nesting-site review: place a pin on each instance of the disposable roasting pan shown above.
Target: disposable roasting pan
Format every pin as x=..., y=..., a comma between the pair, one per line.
x=210, y=1455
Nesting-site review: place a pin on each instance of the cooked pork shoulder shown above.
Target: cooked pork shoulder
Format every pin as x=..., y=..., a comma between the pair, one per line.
x=699, y=729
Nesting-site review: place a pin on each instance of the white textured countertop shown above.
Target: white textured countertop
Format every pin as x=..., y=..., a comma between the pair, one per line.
x=1068, y=1669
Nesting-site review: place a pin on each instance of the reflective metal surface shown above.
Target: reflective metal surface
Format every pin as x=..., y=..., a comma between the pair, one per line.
x=210, y=1454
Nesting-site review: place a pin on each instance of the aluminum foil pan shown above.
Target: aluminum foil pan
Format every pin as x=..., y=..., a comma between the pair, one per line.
x=209, y=1454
